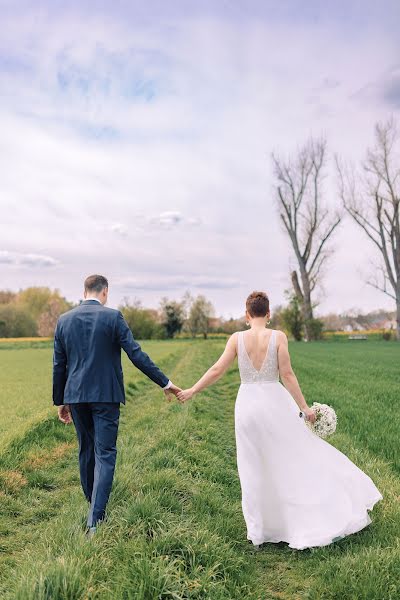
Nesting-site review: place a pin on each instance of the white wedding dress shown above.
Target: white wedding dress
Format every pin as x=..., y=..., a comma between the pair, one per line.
x=296, y=487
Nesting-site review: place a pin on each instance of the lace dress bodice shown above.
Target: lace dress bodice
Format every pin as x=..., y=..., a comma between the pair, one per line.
x=269, y=369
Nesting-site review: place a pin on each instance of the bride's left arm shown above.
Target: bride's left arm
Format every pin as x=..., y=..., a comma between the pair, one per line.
x=215, y=372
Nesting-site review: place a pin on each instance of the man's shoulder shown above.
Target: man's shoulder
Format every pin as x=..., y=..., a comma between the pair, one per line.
x=67, y=315
x=111, y=313
x=108, y=314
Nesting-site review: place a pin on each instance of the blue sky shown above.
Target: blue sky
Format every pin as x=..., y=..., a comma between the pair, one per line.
x=136, y=139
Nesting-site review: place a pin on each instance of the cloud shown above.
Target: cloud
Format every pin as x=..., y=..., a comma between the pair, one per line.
x=119, y=229
x=386, y=88
x=170, y=219
x=30, y=260
x=391, y=89
x=193, y=221
x=167, y=219
x=330, y=83
x=169, y=283
x=6, y=258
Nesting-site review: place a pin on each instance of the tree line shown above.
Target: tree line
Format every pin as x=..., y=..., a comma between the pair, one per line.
x=191, y=315
x=34, y=312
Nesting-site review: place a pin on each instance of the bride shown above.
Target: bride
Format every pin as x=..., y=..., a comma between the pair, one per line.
x=296, y=487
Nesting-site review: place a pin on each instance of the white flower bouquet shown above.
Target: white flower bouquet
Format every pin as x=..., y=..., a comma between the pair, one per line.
x=325, y=422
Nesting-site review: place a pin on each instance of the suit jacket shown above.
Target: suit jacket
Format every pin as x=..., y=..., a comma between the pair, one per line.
x=87, y=356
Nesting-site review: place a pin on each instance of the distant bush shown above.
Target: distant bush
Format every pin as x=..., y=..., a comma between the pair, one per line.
x=230, y=326
x=31, y=312
x=7, y=297
x=199, y=318
x=291, y=318
x=173, y=316
x=47, y=320
x=315, y=327
x=143, y=322
x=44, y=305
x=16, y=321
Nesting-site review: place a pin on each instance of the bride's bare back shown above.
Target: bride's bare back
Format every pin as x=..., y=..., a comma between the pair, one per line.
x=256, y=344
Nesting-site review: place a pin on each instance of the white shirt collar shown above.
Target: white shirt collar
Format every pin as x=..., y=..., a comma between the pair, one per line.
x=97, y=300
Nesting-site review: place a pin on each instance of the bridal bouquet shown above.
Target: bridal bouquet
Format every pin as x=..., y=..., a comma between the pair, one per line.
x=325, y=423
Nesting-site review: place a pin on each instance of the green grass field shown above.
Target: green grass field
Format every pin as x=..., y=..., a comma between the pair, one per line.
x=175, y=528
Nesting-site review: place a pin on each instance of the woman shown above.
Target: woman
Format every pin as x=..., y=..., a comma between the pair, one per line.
x=296, y=487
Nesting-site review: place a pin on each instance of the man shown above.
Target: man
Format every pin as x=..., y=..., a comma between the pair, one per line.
x=88, y=386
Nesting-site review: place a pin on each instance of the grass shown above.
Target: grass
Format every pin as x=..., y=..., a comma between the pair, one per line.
x=175, y=528
x=25, y=390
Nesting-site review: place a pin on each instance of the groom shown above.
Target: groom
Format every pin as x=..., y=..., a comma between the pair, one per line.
x=88, y=386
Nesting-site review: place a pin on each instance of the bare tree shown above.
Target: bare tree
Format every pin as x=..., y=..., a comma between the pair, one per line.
x=307, y=221
x=372, y=199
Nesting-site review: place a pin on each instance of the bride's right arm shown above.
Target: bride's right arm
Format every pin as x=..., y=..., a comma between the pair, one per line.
x=289, y=378
x=215, y=372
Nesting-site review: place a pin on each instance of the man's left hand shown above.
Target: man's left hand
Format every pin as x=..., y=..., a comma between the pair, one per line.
x=173, y=389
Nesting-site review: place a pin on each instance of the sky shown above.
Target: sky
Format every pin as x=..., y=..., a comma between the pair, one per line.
x=136, y=140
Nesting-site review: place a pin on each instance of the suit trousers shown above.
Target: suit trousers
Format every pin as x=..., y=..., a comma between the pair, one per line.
x=96, y=425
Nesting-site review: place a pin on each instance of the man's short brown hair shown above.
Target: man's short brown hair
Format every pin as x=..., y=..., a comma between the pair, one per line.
x=257, y=304
x=95, y=283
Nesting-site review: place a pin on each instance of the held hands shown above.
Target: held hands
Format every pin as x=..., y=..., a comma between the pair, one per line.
x=172, y=390
x=182, y=395
x=64, y=414
x=185, y=395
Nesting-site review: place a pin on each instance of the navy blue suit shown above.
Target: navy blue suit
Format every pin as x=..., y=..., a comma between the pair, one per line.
x=87, y=375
